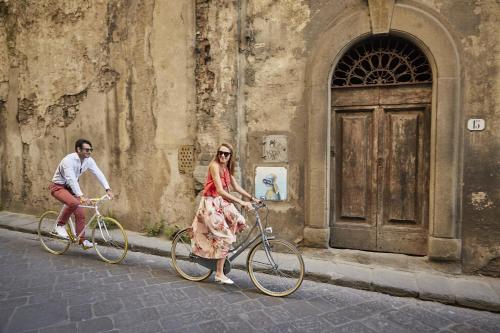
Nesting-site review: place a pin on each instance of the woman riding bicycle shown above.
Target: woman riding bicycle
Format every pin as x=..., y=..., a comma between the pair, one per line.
x=217, y=220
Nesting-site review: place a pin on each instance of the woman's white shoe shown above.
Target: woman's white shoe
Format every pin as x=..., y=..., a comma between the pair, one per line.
x=223, y=280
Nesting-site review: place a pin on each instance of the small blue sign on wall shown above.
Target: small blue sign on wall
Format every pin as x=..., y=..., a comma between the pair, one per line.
x=271, y=183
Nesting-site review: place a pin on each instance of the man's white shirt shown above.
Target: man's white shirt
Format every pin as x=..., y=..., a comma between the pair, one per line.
x=71, y=168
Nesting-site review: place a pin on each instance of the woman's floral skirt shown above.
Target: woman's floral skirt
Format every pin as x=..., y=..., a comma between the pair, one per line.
x=215, y=226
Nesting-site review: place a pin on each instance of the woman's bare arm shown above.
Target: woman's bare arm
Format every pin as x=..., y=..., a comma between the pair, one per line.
x=214, y=169
x=239, y=189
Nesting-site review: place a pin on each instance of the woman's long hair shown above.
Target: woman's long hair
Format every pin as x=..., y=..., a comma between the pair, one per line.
x=230, y=163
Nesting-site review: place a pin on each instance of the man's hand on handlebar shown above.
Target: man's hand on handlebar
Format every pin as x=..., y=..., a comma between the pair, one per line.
x=110, y=194
x=84, y=200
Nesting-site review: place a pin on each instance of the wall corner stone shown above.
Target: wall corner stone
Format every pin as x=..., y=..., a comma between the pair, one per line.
x=316, y=237
x=445, y=249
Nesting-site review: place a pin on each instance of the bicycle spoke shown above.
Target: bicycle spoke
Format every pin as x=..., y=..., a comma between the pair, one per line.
x=263, y=263
x=283, y=274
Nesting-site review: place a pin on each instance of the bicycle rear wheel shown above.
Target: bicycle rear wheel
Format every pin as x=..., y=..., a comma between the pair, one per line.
x=110, y=240
x=48, y=236
x=279, y=271
x=181, y=260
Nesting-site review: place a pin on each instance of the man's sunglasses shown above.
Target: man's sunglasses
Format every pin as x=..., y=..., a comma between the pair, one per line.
x=88, y=150
x=225, y=153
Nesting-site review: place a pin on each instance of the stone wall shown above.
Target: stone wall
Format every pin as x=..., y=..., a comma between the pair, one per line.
x=276, y=41
x=217, y=24
x=141, y=78
x=477, y=24
x=117, y=72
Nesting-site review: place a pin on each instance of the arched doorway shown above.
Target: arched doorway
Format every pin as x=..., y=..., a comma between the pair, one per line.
x=380, y=147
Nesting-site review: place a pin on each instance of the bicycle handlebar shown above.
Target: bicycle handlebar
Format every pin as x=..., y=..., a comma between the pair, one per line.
x=95, y=201
x=101, y=198
x=259, y=205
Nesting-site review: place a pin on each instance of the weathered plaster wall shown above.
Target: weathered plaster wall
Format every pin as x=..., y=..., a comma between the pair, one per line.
x=116, y=72
x=216, y=53
x=4, y=89
x=273, y=61
x=477, y=24
x=172, y=52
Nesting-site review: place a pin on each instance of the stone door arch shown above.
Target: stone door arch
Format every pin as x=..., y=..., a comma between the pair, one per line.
x=429, y=32
x=379, y=147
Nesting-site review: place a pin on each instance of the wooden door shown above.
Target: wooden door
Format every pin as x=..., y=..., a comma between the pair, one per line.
x=380, y=168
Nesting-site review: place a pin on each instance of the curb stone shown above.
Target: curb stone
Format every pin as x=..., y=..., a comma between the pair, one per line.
x=435, y=288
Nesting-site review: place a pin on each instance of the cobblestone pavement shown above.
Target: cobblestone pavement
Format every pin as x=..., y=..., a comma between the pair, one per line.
x=76, y=292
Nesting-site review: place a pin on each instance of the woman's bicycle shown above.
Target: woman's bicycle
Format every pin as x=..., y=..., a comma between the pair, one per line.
x=275, y=266
x=108, y=236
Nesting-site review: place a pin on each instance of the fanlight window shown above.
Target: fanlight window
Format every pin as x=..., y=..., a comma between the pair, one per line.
x=381, y=61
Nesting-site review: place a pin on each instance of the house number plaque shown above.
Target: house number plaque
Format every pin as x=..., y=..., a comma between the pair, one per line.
x=476, y=124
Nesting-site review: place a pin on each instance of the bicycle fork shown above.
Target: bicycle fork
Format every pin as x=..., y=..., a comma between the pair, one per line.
x=102, y=226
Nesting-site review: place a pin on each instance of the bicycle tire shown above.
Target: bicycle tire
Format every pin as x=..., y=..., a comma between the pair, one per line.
x=110, y=240
x=48, y=238
x=288, y=273
x=185, y=267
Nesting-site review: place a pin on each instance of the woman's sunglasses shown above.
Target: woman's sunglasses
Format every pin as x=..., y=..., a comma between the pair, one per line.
x=225, y=153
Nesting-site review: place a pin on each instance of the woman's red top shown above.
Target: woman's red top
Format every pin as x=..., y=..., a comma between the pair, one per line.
x=210, y=190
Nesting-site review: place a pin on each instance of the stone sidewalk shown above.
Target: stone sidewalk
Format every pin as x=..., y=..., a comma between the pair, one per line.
x=393, y=274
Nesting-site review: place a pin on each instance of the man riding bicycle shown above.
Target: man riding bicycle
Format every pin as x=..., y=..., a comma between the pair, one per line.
x=66, y=189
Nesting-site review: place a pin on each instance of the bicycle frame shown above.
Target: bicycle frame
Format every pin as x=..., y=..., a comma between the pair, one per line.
x=234, y=253
x=72, y=235
x=245, y=244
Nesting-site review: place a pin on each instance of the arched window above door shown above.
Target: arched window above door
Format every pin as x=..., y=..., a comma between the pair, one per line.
x=382, y=60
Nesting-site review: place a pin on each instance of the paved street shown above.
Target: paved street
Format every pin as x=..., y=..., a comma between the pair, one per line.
x=76, y=292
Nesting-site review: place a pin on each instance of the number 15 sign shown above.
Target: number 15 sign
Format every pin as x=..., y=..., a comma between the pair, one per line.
x=476, y=124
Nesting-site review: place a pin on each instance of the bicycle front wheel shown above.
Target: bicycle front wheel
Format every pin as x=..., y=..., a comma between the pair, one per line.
x=48, y=236
x=276, y=269
x=110, y=240
x=182, y=261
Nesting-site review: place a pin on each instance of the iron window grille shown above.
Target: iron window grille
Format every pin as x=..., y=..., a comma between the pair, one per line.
x=380, y=61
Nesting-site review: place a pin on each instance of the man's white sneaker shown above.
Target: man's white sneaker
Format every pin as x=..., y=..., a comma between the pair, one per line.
x=87, y=245
x=61, y=231
x=223, y=280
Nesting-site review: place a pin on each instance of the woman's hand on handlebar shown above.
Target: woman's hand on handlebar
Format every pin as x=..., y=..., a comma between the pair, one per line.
x=247, y=205
x=255, y=200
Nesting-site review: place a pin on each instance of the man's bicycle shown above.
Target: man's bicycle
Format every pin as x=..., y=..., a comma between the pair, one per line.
x=275, y=266
x=108, y=236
